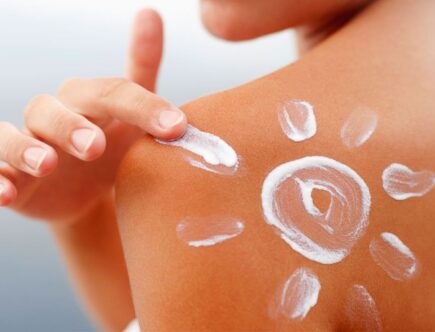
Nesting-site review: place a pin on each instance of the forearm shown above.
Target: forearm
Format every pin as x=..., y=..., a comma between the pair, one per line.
x=94, y=257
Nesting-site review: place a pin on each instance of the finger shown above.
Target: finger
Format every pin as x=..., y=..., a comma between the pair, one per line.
x=25, y=153
x=146, y=48
x=125, y=101
x=48, y=118
x=8, y=192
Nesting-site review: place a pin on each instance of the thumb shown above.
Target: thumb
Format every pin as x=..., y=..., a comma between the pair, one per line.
x=146, y=48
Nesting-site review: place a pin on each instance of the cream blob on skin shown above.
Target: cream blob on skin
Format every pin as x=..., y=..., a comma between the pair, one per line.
x=358, y=127
x=133, y=326
x=295, y=298
x=216, y=155
x=393, y=256
x=400, y=182
x=361, y=310
x=325, y=237
x=297, y=120
x=204, y=232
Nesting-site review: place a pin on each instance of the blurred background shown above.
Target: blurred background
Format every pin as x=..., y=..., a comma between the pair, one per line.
x=44, y=42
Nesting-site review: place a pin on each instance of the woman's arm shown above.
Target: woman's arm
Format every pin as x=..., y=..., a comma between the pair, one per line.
x=94, y=257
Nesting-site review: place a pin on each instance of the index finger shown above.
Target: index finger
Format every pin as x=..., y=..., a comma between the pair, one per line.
x=146, y=48
x=126, y=101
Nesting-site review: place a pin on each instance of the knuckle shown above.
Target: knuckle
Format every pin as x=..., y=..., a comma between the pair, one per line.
x=137, y=103
x=39, y=100
x=36, y=104
x=6, y=127
x=62, y=125
x=58, y=121
x=110, y=87
x=45, y=117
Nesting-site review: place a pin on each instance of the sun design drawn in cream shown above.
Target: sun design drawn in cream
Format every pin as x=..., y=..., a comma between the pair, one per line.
x=326, y=237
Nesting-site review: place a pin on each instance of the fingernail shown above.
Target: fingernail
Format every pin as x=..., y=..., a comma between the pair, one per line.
x=170, y=118
x=34, y=157
x=82, y=139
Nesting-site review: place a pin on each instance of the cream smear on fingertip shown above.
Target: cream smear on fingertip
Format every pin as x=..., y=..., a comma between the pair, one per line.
x=400, y=182
x=295, y=298
x=393, y=256
x=358, y=127
x=217, y=156
x=361, y=310
x=297, y=120
x=325, y=237
x=204, y=232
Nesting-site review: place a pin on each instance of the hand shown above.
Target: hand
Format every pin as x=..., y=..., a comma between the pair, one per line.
x=59, y=166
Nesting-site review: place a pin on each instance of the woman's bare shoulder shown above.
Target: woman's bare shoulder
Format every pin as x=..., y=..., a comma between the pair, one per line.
x=337, y=124
x=160, y=191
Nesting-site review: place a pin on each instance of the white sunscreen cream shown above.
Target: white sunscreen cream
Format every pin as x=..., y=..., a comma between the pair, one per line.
x=297, y=120
x=361, y=310
x=393, y=256
x=133, y=326
x=215, y=154
x=296, y=296
x=325, y=237
x=358, y=127
x=400, y=182
x=204, y=232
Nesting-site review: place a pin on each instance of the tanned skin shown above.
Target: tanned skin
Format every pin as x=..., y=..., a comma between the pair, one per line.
x=383, y=59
